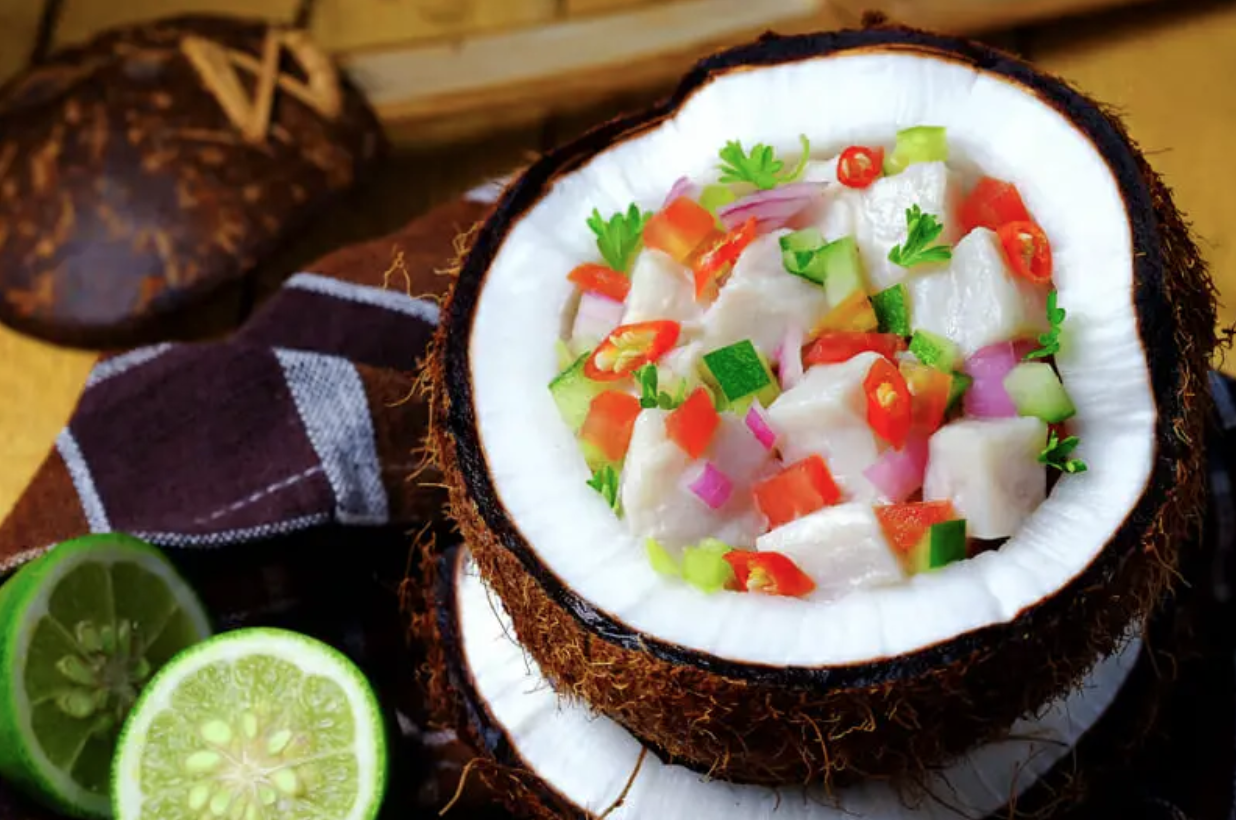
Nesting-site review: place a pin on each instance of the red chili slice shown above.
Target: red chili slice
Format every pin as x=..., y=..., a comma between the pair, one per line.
x=768, y=572
x=859, y=166
x=888, y=403
x=1028, y=251
x=630, y=347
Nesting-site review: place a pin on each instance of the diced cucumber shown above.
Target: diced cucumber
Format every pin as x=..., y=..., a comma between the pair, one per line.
x=941, y=545
x=1036, y=391
x=935, y=351
x=892, y=309
x=716, y=196
x=800, y=253
x=843, y=270
x=923, y=143
x=573, y=393
x=961, y=383
x=742, y=374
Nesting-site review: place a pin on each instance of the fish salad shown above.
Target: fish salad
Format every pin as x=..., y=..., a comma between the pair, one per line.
x=805, y=378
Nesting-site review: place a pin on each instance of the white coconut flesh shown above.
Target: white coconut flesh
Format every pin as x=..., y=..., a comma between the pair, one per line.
x=857, y=98
x=588, y=759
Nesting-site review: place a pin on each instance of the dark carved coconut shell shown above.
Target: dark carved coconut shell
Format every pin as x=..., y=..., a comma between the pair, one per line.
x=892, y=705
x=156, y=162
x=1072, y=759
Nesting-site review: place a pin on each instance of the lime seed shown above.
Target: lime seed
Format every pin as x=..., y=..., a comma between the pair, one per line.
x=107, y=636
x=77, y=703
x=286, y=781
x=220, y=802
x=76, y=670
x=249, y=724
x=267, y=795
x=198, y=796
x=203, y=762
x=216, y=732
x=88, y=636
x=278, y=742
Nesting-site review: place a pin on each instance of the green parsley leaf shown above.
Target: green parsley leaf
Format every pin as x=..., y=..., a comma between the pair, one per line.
x=761, y=167
x=620, y=237
x=1050, y=341
x=1056, y=454
x=650, y=396
x=923, y=230
x=605, y=482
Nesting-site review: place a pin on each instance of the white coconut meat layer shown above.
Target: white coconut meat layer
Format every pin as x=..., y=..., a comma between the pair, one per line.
x=835, y=100
x=588, y=759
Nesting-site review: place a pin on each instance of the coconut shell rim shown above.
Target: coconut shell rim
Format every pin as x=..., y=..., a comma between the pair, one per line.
x=1157, y=326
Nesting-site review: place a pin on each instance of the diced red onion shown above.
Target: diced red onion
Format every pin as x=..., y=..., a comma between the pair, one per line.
x=772, y=209
x=681, y=187
x=987, y=398
x=709, y=485
x=761, y=426
x=596, y=317
x=899, y=473
x=790, y=366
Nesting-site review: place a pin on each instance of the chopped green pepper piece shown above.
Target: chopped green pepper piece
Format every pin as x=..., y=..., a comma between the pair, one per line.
x=661, y=560
x=935, y=351
x=704, y=566
x=923, y=143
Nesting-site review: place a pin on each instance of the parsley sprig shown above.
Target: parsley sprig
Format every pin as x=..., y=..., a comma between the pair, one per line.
x=761, y=167
x=620, y=237
x=650, y=396
x=605, y=482
x=1050, y=341
x=1056, y=454
x=922, y=230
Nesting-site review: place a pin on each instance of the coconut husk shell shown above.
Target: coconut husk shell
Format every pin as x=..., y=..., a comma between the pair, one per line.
x=142, y=170
x=890, y=717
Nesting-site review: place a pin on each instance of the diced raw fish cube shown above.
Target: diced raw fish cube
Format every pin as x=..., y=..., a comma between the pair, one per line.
x=760, y=299
x=661, y=289
x=978, y=301
x=881, y=222
x=842, y=548
x=826, y=414
x=989, y=469
x=656, y=503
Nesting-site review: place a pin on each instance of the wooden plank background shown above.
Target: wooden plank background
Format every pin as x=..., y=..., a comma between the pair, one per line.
x=1166, y=66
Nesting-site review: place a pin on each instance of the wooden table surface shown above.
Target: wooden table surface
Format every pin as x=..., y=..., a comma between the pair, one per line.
x=1169, y=70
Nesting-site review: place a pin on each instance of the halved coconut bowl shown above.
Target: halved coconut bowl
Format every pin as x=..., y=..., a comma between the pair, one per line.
x=882, y=682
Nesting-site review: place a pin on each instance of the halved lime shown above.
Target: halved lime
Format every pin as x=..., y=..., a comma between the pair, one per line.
x=82, y=630
x=254, y=724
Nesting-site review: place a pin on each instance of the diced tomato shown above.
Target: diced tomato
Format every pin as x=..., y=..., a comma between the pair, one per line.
x=713, y=264
x=855, y=314
x=888, y=403
x=904, y=525
x=680, y=228
x=800, y=489
x=609, y=423
x=601, y=280
x=992, y=204
x=692, y=425
x=769, y=572
x=833, y=347
x=628, y=348
x=1028, y=251
x=929, y=391
x=859, y=166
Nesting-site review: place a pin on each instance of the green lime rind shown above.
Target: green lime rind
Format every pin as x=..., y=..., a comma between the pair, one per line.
x=29, y=722
x=224, y=720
